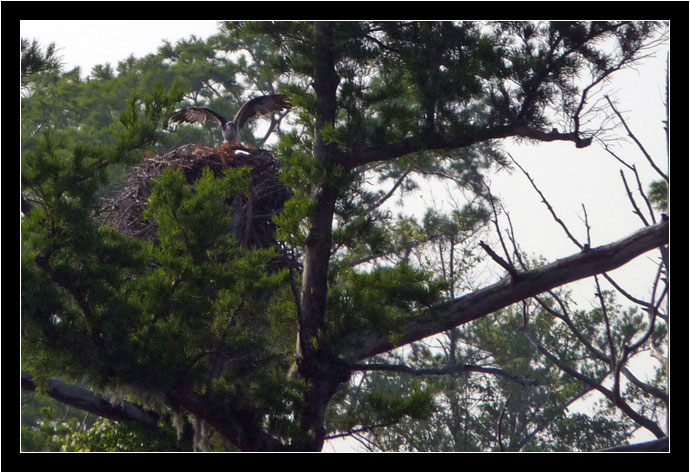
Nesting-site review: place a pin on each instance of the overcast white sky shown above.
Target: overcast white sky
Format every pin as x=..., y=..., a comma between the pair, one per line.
x=85, y=43
x=569, y=177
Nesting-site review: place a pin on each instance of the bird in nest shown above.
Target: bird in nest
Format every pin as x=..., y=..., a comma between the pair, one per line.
x=231, y=129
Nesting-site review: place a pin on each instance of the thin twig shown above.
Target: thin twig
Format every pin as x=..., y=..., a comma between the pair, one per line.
x=637, y=142
x=513, y=240
x=636, y=210
x=587, y=227
x=501, y=448
x=604, y=311
x=548, y=205
x=495, y=220
x=457, y=369
x=397, y=184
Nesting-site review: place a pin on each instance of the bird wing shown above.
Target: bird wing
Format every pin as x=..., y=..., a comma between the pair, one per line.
x=198, y=115
x=260, y=106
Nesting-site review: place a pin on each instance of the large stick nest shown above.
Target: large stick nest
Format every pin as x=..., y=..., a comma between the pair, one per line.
x=252, y=223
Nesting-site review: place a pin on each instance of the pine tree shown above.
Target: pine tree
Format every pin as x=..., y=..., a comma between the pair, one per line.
x=196, y=328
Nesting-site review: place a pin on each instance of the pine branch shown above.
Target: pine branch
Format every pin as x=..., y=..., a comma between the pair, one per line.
x=86, y=400
x=462, y=140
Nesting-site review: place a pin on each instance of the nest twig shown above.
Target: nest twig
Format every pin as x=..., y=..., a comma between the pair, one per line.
x=252, y=223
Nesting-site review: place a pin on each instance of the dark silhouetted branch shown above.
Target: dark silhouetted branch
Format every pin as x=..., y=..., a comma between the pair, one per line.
x=657, y=445
x=449, y=370
x=86, y=400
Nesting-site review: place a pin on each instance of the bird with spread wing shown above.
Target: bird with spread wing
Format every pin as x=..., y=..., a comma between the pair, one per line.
x=231, y=129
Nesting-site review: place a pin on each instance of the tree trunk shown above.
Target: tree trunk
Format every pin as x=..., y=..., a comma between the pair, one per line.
x=314, y=364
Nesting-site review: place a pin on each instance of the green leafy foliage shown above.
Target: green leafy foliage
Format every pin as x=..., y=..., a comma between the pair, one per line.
x=52, y=434
x=392, y=406
x=381, y=298
x=658, y=195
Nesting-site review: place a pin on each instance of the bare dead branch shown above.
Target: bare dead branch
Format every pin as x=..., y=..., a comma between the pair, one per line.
x=616, y=361
x=499, y=439
x=605, y=313
x=484, y=301
x=513, y=240
x=495, y=221
x=648, y=388
x=548, y=205
x=636, y=210
x=503, y=263
x=587, y=227
x=388, y=195
x=583, y=99
x=650, y=330
x=640, y=190
x=630, y=297
x=637, y=142
x=618, y=158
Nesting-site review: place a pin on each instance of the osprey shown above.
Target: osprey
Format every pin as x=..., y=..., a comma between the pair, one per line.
x=231, y=129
